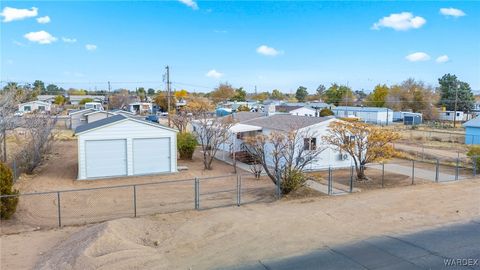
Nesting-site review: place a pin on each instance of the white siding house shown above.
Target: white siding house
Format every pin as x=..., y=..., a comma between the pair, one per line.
x=304, y=111
x=450, y=116
x=121, y=146
x=97, y=115
x=373, y=115
x=35, y=106
x=305, y=125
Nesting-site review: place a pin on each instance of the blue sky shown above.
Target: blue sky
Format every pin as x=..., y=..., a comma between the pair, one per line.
x=268, y=44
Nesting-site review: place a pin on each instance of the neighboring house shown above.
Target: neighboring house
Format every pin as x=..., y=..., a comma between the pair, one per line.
x=304, y=111
x=98, y=115
x=122, y=146
x=372, y=115
x=78, y=117
x=472, y=131
x=476, y=107
x=94, y=105
x=47, y=98
x=123, y=112
x=140, y=107
x=450, y=116
x=250, y=124
x=75, y=100
x=408, y=118
x=35, y=106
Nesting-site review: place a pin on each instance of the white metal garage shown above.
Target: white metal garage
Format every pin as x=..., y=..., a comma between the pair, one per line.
x=123, y=146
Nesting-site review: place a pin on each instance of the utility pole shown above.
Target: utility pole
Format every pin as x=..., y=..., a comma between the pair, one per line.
x=455, y=113
x=167, y=68
x=109, y=89
x=255, y=90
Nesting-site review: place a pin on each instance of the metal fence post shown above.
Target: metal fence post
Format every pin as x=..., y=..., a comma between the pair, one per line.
x=134, y=200
x=474, y=160
x=329, y=180
x=383, y=174
x=14, y=170
x=437, y=171
x=456, y=169
x=59, y=212
x=413, y=171
x=351, y=179
x=239, y=181
x=197, y=195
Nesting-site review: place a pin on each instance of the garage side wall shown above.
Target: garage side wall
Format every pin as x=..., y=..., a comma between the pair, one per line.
x=127, y=130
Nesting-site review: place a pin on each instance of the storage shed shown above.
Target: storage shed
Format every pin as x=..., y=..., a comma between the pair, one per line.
x=472, y=131
x=122, y=146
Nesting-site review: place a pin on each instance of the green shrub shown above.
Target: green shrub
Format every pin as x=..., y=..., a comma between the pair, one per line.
x=326, y=112
x=85, y=100
x=186, y=144
x=474, y=154
x=7, y=205
x=292, y=180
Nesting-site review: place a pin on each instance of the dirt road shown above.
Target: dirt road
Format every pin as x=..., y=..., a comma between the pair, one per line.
x=236, y=235
x=439, y=153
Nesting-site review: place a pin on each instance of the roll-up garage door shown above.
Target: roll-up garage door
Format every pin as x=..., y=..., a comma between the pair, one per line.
x=106, y=158
x=151, y=155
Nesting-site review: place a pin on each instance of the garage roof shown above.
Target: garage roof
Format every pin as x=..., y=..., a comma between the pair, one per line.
x=114, y=119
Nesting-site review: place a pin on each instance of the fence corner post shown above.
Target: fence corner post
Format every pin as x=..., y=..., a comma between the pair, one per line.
x=351, y=179
x=239, y=189
x=197, y=193
x=474, y=161
x=437, y=171
x=59, y=211
x=383, y=174
x=330, y=180
x=413, y=171
x=457, y=168
x=134, y=201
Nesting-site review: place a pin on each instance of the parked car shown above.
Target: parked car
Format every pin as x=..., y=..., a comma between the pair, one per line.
x=18, y=113
x=152, y=118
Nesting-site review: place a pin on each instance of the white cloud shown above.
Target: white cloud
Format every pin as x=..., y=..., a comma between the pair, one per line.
x=40, y=37
x=190, y=3
x=268, y=51
x=400, y=21
x=418, y=56
x=452, y=12
x=69, y=40
x=442, y=59
x=214, y=74
x=14, y=14
x=91, y=47
x=43, y=20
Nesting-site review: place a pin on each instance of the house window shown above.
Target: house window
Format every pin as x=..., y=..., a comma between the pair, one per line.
x=309, y=143
x=458, y=114
x=41, y=108
x=27, y=108
x=447, y=114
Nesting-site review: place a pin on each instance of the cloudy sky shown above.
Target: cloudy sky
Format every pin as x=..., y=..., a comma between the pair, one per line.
x=247, y=43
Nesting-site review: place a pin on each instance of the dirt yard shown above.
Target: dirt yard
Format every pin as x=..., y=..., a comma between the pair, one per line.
x=59, y=172
x=228, y=236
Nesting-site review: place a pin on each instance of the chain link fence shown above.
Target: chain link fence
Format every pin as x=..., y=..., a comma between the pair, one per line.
x=91, y=205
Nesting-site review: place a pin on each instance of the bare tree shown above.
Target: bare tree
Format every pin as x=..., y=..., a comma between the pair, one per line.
x=9, y=100
x=38, y=129
x=181, y=120
x=211, y=133
x=284, y=155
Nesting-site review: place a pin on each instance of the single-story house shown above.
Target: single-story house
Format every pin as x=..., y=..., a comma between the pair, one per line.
x=75, y=100
x=35, y=106
x=140, y=107
x=94, y=105
x=123, y=146
x=408, y=118
x=373, y=115
x=250, y=124
x=304, y=111
x=472, y=131
x=98, y=115
x=450, y=116
x=46, y=98
x=78, y=117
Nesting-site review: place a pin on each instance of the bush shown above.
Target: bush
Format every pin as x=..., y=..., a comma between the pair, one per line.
x=186, y=144
x=7, y=205
x=474, y=154
x=292, y=180
x=326, y=112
